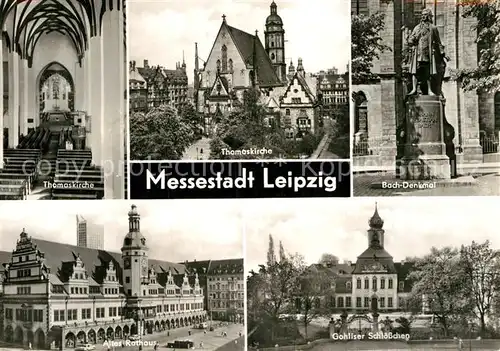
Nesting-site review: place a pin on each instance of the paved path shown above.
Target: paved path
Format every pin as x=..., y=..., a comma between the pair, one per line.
x=199, y=150
x=486, y=185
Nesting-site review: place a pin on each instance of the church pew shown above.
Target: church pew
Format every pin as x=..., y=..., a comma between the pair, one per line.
x=28, y=178
x=12, y=192
x=15, y=182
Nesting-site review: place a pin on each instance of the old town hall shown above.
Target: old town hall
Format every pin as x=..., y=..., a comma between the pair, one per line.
x=58, y=295
x=239, y=61
x=63, y=106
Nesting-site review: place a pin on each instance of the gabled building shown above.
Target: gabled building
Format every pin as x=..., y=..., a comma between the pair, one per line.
x=59, y=295
x=153, y=86
x=224, y=284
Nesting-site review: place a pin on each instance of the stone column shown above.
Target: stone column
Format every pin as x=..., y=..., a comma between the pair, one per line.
x=13, y=99
x=97, y=107
x=1, y=101
x=114, y=107
x=24, y=98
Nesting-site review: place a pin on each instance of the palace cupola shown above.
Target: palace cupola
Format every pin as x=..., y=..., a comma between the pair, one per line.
x=376, y=233
x=375, y=259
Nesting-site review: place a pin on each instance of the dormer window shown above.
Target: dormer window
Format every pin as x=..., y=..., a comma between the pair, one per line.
x=219, y=88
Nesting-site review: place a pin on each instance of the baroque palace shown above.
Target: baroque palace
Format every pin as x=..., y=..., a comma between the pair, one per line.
x=374, y=276
x=238, y=61
x=58, y=295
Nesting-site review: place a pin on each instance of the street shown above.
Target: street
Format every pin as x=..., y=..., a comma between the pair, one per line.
x=212, y=340
x=199, y=150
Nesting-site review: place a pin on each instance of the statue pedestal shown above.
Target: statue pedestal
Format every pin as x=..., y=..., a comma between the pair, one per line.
x=425, y=150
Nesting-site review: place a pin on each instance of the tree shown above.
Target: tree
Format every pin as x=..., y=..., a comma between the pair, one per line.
x=328, y=258
x=312, y=285
x=482, y=267
x=442, y=280
x=486, y=76
x=366, y=45
x=192, y=118
x=158, y=135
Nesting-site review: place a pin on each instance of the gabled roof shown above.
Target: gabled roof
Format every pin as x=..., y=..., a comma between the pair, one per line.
x=245, y=43
x=56, y=253
x=224, y=84
x=303, y=83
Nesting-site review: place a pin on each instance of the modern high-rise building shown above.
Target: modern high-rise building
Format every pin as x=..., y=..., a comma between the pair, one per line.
x=88, y=234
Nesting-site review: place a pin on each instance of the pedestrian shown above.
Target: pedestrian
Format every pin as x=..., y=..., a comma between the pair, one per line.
x=201, y=345
x=140, y=347
x=189, y=332
x=30, y=346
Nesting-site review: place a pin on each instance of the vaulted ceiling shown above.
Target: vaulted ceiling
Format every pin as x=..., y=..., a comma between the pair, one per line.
x=25, y=21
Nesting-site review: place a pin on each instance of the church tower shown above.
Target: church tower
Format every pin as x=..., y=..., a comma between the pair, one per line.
x=135, y=256
x=275, y=42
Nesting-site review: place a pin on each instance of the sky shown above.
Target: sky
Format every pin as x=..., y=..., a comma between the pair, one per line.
x=412, y=226
x=318, y=31
x=176, y=230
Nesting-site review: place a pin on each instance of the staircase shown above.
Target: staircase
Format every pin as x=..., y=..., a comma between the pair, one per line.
x=47, y=165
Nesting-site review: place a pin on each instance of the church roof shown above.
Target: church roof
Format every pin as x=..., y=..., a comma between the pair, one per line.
x=134, y=75
x=266, y=75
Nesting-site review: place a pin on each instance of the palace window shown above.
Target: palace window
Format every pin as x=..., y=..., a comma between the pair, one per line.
x=218, y=65
x=390, y=284
x=8, y=314
x=374, y=283
x=230, y=64
x=224, y=58
x=358, y=283
x=401, y=286
x=382, y=283
x=296, y=100
x=340, y=301
x=348, y=301
x=367, y=283
x=382, y=302
x=389, y=302
x=273, y=56
x=358, y=302
x=348, y=285
x=367, y=302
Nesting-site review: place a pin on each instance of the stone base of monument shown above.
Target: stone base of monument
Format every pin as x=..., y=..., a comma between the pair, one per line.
x=425, y=151
x=425, y=167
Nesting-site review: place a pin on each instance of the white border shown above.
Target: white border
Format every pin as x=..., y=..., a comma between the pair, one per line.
x=351, y=105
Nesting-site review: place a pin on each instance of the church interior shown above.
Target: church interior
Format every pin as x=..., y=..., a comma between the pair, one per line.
x=64, y=99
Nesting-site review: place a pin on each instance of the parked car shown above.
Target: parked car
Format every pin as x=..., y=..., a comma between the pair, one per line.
x=85, y=347
x=181, y=344
x=134, y=337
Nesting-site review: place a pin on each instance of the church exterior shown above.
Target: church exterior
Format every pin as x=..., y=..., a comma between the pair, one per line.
x=58, y=295
x=379, y=104
x=239, y=61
